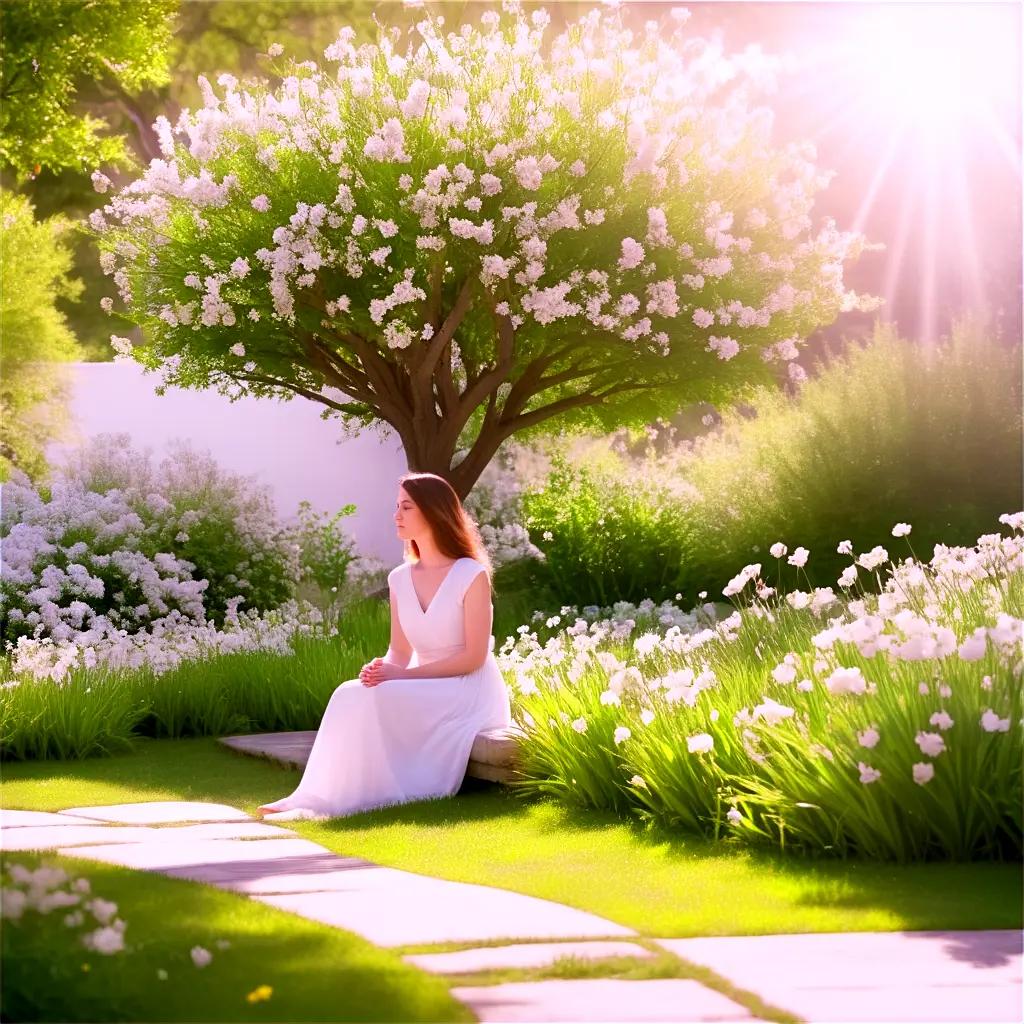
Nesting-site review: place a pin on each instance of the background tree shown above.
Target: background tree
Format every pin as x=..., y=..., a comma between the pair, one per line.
x=480, y=233
x=47, y=48
x=34, y=263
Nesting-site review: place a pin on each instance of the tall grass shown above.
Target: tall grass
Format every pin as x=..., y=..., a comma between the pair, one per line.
x=96, y=711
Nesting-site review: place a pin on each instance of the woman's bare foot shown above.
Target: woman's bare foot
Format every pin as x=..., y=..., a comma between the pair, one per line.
x=262, y=812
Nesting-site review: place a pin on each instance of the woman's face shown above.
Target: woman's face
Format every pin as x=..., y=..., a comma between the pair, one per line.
x=408, y=518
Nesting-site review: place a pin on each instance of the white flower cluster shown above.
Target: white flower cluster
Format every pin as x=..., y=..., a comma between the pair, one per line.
x=172, y=640
x=50, y=888
x=910, y=620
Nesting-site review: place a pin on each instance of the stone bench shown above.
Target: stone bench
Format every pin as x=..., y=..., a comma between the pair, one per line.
x=494, y=757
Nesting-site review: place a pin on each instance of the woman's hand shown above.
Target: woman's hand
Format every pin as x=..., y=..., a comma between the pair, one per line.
x=378, y=671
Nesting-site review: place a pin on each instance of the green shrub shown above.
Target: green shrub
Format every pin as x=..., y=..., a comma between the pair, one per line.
x=606, y=538
x=890, y=432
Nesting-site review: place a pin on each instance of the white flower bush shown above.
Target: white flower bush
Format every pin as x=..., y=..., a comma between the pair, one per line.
x=116, y=545
x=862, y=724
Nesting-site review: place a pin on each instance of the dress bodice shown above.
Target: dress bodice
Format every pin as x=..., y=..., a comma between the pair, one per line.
x=441, y=629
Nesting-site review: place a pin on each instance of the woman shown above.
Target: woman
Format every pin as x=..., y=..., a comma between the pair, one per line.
x=405, y=728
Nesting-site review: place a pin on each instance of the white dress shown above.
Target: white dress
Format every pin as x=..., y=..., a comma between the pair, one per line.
x=404, y=739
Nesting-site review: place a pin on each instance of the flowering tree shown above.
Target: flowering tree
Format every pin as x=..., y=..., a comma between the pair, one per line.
x=479, y=234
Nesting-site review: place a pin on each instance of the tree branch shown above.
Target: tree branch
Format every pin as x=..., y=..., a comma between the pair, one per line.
x=529, y=419
x=314, y=396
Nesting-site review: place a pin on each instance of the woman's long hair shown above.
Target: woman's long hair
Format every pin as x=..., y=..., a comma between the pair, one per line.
x=455, y=532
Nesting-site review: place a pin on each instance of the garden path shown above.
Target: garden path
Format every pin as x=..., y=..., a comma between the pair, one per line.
x=897, y=976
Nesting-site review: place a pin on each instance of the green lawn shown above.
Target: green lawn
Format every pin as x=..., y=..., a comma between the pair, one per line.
x=316, y=972
x=656, y=883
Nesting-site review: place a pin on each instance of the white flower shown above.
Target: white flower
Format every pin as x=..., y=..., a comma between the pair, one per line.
x=901, y=529
x=548, y=535
x=260, y=203
x=868, y=774
x=580, y=725
x=622, y=734
x=632, y=254
x=100, y=182
x=799, y=557
x=931, y=743
x=845, y=547
x=647, y=716
x=701, y=743
x=734, y=815
x=610, y=697
x=874, y=558
x=975, y=646
x=200, y=957
x=778, y=549
x=238, y=349
x=784, y=673
x=942, y=720
x=638, y=781
x=848, y=576
x=868, y=738
x=923, y=772
x=772, y=712
x=105, y=940
x=991, y=722
x=275, y=50
x=102, y=910
x=846, y=680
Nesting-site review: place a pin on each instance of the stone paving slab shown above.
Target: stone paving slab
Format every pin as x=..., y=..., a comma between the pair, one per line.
x=25, y=819
x=931, y=977
x=526, y=955
x=160, y=811
x=591, y=1000
x=397, y=908
x=52, y=837
x=196, y=859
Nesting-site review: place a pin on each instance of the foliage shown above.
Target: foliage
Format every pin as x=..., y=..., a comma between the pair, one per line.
x=325, y=552
x=606, y=538
x=890, y=430
x=885, y=431
x=47, y=47
x=315, y=237
x=34, y=265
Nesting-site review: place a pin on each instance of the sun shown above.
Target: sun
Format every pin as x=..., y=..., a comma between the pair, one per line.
x=933, y=70
x=924, y=100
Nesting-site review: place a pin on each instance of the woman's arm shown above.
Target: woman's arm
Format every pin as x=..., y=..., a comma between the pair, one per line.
x=479, y=617
x=400, y=650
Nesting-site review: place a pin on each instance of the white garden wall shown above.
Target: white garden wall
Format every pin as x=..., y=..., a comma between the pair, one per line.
x=282, y=443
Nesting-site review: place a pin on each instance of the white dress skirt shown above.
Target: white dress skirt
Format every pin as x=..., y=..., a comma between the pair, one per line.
x=404, y=739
